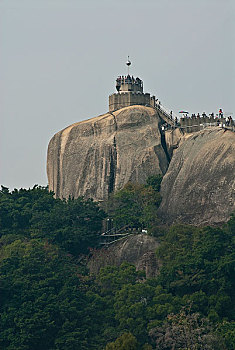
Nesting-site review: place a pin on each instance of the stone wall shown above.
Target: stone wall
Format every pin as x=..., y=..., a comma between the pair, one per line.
x=125, y=99
x=194, y=124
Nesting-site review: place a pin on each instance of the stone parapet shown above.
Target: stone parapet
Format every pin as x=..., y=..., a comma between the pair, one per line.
x=129, y=98
x=193, y=124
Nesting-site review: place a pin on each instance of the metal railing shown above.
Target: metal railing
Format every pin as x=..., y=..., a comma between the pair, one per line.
x=170, y=114
x=114, y=234
x=202, y=126
x=173, y=118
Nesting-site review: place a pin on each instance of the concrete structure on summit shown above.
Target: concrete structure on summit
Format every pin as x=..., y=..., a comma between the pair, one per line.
x=129, y=93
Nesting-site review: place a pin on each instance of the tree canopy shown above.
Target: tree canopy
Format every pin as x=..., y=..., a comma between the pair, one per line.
x=136, y=204
x=72, y=224
x=49, y=300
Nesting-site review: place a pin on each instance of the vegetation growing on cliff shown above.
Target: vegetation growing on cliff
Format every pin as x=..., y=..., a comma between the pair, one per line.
x=49, y=300
x=136, y=204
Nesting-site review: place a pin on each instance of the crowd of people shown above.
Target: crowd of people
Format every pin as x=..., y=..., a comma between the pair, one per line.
x=228, y=120
x=128, y=80
x=218, y=119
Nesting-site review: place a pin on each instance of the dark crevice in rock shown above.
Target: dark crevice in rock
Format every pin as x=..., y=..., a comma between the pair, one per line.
x=114, y=118
x=113, y=160
x=163, y=143
x=163, y=162
x=113, y=163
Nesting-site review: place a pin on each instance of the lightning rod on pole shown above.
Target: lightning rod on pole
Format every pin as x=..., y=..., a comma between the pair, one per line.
x=128, y=63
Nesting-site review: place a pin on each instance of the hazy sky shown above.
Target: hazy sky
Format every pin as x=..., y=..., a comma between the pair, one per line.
x=59, y=60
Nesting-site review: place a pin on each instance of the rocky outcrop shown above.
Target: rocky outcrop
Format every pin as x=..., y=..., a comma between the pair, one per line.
x=199, y=186
x=92, y=158
x=95, y=157
x=173, y=137
x=138, y=250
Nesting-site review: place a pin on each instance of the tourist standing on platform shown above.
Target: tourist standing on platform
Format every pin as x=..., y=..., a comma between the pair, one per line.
x=220, y=113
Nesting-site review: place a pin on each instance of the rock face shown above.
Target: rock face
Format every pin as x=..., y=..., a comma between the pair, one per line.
x=199, y=186
x=92, y=158
x=138, y=250
x=173, y=138
x=95, y=157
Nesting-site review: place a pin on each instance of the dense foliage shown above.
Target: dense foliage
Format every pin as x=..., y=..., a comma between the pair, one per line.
x=42, y=301
x=136, y=204
x=49, y=301
x=74, y=225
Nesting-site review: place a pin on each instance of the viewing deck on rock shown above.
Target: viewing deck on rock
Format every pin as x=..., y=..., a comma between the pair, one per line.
x=197, y=123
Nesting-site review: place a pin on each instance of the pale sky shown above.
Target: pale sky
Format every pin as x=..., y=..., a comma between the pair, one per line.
x=59, y=60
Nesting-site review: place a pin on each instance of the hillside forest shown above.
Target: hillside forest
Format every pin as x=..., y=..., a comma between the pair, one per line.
x=49, y=300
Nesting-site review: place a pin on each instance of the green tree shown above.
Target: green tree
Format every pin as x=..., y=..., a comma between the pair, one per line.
x=199, y=264
x=18, y=206
x=132, y=307
x=42, y=302
x=154, y=181
x=112, y=278
x=186, y=331
x=226, y=330
x=135, y=205
x=73, y=224
x=125, y=342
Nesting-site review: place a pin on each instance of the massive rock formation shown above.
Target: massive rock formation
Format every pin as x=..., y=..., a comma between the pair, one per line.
x=92, y=158
x=199, y=186
x=95, y=157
